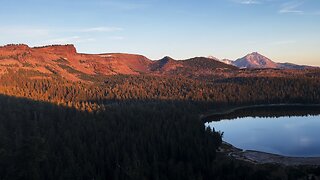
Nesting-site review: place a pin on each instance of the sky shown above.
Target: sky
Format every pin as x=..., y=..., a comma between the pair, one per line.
x=283, y=30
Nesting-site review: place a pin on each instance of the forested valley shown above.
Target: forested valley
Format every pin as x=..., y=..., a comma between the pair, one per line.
x=133, y=126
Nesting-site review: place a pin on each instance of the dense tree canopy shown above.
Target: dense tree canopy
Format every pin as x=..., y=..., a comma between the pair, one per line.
x=131, y=127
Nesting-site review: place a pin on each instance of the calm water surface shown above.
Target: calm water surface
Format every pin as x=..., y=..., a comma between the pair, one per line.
x=290, y=136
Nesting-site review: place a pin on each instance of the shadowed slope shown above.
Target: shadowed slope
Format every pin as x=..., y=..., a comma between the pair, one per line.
x=126, y=141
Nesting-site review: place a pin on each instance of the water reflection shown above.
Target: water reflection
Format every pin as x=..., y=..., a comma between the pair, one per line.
x=284, y=135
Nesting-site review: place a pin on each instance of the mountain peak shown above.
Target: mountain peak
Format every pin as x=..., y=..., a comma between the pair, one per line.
x=167, y=58
x=254, y=53
x=255, y=60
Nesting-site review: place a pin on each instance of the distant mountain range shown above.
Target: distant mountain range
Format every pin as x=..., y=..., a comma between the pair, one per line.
x=64, y=61
x=258, y=61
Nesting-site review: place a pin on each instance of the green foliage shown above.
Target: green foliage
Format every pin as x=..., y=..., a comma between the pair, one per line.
x=131, y=127
x=127, y=141
x=233, y=91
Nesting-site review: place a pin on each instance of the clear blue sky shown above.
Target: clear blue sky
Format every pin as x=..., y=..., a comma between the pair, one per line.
x=284, y=30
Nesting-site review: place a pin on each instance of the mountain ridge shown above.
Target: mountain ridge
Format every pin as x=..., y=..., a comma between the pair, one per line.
x=64, y=60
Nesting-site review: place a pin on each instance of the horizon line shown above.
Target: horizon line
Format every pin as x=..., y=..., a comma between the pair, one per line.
x=178, y=59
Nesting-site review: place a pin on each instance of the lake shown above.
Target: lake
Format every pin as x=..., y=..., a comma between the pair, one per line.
x=297, y=135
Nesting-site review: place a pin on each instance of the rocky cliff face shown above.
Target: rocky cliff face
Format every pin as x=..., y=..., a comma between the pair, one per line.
x=58, y=49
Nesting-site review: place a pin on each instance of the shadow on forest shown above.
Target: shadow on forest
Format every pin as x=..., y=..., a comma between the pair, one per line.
x=165, y=140
x=129, y=140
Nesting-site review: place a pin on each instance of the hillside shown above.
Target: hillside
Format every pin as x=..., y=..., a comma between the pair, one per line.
x=64, y=61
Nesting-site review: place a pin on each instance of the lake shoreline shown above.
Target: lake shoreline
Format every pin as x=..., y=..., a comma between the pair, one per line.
x=260, y=157
x=233, y=109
